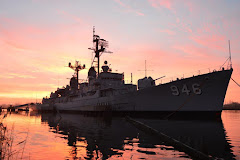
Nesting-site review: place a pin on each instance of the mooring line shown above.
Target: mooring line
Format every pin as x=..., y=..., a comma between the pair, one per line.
x=171, y=141
x=235, y=82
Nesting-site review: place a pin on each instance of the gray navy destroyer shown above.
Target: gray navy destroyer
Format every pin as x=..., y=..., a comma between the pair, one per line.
x=106, y=91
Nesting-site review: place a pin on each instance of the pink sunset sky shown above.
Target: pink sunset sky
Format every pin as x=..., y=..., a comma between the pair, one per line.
x=176, y=37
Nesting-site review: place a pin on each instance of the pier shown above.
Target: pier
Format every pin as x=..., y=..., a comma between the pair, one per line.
x=22, y=107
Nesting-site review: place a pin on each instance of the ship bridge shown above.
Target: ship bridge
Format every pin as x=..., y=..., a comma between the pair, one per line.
x=109, y=80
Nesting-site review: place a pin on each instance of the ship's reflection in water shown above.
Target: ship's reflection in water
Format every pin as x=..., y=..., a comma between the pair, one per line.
x=92, y=137
x=74, y=136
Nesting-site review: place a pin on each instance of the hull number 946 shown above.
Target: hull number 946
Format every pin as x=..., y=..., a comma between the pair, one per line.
x=185, y=90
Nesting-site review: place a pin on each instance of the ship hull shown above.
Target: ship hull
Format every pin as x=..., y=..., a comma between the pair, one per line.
x=198, y=94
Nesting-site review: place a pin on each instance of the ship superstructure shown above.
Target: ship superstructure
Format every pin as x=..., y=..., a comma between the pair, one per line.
x=107, y=91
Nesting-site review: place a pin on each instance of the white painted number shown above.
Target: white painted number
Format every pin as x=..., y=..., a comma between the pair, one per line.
x=195, y=89
x=185, y=89
x=175, y=91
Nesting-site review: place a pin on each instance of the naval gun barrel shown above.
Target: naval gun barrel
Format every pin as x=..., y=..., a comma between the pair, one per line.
x=159, y=78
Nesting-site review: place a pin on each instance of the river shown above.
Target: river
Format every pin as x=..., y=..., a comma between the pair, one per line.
x=75, y=136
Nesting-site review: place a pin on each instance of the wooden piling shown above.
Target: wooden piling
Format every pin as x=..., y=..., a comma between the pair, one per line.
x=195, y=154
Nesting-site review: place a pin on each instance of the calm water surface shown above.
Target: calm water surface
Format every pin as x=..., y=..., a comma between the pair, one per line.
x=71, y=136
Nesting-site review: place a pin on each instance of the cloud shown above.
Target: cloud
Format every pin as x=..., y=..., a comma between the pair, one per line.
x=168, y=4
x=71, y=16
x=16, y=46
x=193, y=51
x=182, y=25
x=214, y=41
x=128, y=8
x=168, y=31
x=210, y=35
x=172, y=5
x=16, y=75
x=33, y=54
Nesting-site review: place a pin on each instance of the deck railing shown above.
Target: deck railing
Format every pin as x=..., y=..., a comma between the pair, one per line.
x=168, y=79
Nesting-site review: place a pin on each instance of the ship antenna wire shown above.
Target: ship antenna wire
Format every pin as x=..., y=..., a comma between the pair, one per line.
x=224, y=63
x=230, y=57
x=93, y=32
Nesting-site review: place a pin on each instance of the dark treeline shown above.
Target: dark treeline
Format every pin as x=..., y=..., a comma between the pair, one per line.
x=232, y=106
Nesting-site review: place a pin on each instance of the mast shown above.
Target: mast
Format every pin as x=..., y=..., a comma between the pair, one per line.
x=145, y=70
x=77, y=67
x=98, y=43
x=131, y=78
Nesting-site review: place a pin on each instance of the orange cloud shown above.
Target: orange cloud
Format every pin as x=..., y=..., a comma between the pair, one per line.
x=34, y=55
x=16, y=75
x=18, y=47
x=37, y=54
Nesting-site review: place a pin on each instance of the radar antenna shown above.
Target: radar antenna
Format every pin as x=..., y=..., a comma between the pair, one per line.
x=77, y=67
x=145, y=69
x=99, y=47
